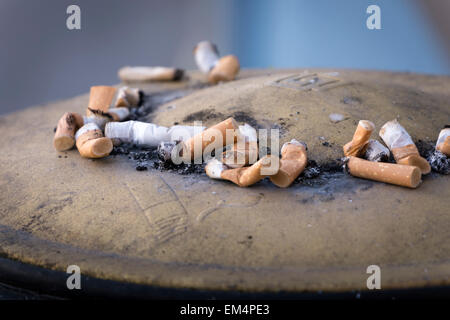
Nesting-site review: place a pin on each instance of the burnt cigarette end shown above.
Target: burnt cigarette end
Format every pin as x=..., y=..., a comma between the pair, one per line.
x=100, y=113
x=132, y=74
x=439, y=162
x=178, y=75
x=165, y=149
x=377, y=152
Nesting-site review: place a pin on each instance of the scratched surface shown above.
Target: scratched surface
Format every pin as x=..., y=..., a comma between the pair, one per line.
x=165, y=229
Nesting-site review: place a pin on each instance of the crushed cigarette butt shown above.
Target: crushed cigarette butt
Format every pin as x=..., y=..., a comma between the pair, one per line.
x=398, y=174
x=358, y=145
x=91, y=143
x=293, y=161
x=402, y=147
x=142, y=74
x=375, y=151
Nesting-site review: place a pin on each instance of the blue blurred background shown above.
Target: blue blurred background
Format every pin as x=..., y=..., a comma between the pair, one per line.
x=41, y=60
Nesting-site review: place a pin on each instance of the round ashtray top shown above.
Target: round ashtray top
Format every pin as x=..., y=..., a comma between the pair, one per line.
x=170, y=230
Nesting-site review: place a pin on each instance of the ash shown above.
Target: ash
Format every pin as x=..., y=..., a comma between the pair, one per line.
x=149, y=158
x=439, y=162
x=317, y=174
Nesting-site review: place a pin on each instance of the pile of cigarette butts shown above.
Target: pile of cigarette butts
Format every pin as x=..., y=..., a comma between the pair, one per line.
x=239, y=161
x=365, y=158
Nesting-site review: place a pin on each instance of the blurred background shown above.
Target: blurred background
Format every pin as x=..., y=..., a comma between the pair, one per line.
x=41, y=60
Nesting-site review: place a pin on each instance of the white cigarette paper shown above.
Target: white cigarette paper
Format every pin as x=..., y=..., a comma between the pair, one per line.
x=87, y=127
x=148, y=134
x=100, y=121
x=394, y=135
x=376, y=151
x=121, y=113
x=248, y=133
x=402, y=146
x=149, y=74
x=214, y=169
x=206, y=56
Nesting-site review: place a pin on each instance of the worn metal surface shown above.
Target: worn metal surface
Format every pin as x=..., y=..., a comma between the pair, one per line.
x=168, y=230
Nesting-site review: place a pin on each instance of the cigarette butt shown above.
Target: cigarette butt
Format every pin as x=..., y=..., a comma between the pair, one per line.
x=244, y=151
x=398, y=174
x=226, y=69
x=147, y=134
x=443, y=142
x=142, y=74
x=128, y=97
x=402, y=147
x=206, y=56
x=375, y=151
x=213, y=137
x=68, y=124
x=119, y=114
x=100, y=99
x=357, y=146
x=91, y=143
x=246, y=176
x=293, y=161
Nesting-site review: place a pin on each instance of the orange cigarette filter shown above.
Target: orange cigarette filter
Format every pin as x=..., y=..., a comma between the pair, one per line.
x=357, y=146
x=64, y=138
x=226, y=69
x=443, y=142
x=100, y=98
x=247, y=176
x=91, y=143
x=244, y=151
x=293, y=162
x=207, y=138
x=398, y=174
